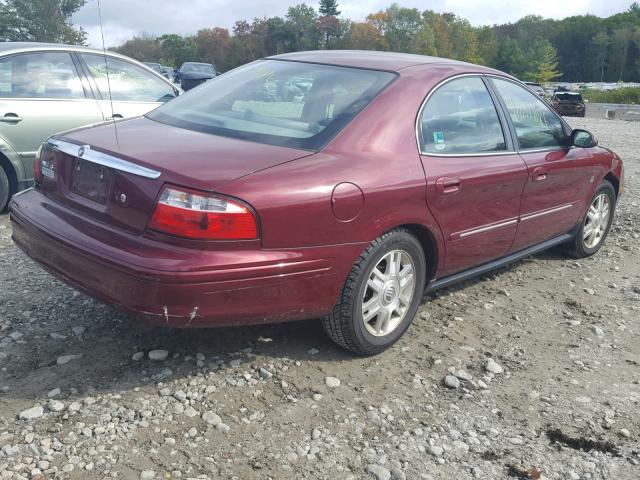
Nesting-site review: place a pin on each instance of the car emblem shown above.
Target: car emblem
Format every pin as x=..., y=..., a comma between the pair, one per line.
x=389, y=293
x=82, y=150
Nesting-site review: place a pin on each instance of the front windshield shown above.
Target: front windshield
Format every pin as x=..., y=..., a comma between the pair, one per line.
x=198, y=68
x=294, y=104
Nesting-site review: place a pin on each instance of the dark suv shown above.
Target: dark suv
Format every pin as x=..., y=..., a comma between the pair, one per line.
x=569, y=104
x=192, y=74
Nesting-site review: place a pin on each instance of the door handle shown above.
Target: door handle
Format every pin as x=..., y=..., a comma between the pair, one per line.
x=116, y=116
x=10, y=118
x=448, y=185
x=539, y=174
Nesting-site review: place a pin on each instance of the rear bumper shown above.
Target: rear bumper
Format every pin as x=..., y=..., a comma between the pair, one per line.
x=175, y=285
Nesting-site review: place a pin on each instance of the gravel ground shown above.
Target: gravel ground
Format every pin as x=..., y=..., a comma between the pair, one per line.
x=531, y=372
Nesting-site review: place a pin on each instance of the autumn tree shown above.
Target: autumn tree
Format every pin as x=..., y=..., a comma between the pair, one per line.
x=212, y=45
x=364, y=36
x=583, y=47
x=143, y=47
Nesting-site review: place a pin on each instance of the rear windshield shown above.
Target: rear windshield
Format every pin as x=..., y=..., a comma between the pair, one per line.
x=291, y=104
x=198, y=68
x=573, y=97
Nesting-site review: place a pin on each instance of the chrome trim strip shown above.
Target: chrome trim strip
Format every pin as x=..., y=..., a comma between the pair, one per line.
x=101, y=158
x=531, y=216
x=487, y=228
x=465, y=155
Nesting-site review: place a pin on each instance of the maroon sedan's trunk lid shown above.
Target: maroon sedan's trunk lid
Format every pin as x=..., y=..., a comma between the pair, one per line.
x=115, y=175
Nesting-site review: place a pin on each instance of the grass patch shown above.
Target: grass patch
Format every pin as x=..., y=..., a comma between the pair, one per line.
x=626, y=95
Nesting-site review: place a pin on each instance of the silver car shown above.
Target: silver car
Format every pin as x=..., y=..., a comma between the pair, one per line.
x=47, y=88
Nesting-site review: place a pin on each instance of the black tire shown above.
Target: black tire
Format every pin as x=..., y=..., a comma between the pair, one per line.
x=4, y=190
x=578, y=247
x=345, y=324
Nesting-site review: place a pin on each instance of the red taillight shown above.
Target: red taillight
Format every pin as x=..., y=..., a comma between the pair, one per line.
x=198, y=215
x=44, y=164
x=37, y=166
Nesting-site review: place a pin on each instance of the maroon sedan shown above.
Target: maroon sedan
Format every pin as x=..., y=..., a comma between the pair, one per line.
x=340, y=185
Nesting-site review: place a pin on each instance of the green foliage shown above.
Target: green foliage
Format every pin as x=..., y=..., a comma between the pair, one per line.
x=301, y=26
x=329, y=8
x=177, y=49
x=544, y=60
x=511, y=58
x=41, y=21
x=579, y=48
x=627, y=95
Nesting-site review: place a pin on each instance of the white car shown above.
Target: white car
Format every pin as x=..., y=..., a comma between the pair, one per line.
x=47, y=88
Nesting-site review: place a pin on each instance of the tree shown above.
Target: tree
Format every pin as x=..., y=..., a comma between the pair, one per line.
x=41, y=21
x=487, y=46
x=177, y=49
x=301, y=23
x=329, y=8
x=511, y=58
x=398, y=25
x=544, y=59
x=600, y=47
x=144, y=47
x=364, y=36
x=424, y=42
x=212, y=45
x=329, y=26
x=622, y=40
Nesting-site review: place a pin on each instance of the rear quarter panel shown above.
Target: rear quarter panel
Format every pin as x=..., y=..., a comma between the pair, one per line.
x=377, y=152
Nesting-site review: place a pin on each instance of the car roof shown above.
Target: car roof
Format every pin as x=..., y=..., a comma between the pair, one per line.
x=9, y=48
x=375, y=60
x=17, y=47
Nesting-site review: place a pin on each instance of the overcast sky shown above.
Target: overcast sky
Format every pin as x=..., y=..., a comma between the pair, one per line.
x=123, y=19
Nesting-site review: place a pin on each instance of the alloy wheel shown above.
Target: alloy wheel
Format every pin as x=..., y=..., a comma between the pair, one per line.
x=389, y=292
x=597, y=221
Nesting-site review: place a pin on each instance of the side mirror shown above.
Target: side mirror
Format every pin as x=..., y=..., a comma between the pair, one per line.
x=583, y=138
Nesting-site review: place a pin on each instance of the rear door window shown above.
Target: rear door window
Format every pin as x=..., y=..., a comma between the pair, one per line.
x=126, y=81
x=460, y=118
x=40, y=75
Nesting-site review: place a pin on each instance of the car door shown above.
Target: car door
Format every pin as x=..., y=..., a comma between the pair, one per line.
x=474, y=176
x=125, y=89
x=557, y=183
x=41, y=93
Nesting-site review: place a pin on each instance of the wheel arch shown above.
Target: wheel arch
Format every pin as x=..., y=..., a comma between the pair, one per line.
x=10, y=170
x=615, y=181
x=429, y=244
x=12, y=165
